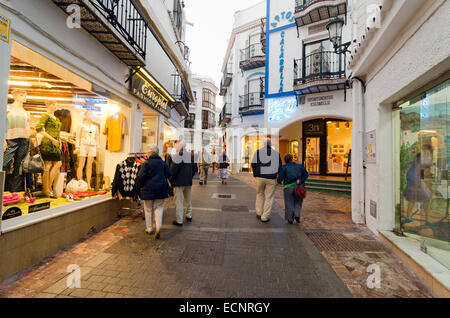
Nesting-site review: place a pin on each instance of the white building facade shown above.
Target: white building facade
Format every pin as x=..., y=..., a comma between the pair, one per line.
x=243, y=86
x=203, y=114
x=400, y=176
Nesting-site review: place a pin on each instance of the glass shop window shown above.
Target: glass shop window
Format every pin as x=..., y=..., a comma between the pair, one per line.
x=62, y=142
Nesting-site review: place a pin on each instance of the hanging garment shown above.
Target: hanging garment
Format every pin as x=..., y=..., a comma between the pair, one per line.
x=17, y=122
x=52, y=127
x=115, y=129
x=125, y=179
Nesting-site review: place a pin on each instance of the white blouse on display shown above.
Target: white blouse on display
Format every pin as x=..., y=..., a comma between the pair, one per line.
x=88, y=135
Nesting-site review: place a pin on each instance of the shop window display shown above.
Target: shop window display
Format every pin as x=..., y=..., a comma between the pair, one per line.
x=339, y=146
x=79, y=135
x=423, y=151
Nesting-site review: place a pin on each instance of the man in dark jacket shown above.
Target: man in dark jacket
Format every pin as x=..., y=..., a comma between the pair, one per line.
x=266, y=164
x=182, y=174
x=154, y=189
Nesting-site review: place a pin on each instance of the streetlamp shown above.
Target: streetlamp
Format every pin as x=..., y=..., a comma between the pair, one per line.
x=334, y=27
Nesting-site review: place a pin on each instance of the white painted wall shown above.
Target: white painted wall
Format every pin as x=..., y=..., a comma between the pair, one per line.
x=417, y=55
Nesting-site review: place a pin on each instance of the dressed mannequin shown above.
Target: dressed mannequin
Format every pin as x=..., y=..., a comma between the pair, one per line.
x=50, y=127
x=88, y=142
x=17, y=141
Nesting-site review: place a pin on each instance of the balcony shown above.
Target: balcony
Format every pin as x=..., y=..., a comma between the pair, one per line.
x=253, y=56
x=182, y=101
x=311, y=11
x=319, y=72
x=263, y=35
x=225, y=83
x=251, y=104
x=225, y=115
x=118, y=24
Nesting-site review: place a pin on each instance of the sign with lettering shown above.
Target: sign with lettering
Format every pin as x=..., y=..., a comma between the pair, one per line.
x=12, y=213
x=38, y=207
x=320, y=101
x=282, y=42
x=314, y=128
x=147, y=92
x=5, y=28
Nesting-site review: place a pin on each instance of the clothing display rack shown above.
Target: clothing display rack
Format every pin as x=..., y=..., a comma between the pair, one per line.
x=140, y=209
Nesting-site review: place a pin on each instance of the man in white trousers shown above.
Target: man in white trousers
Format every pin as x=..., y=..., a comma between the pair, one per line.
x=182, y=175
x=266, y=165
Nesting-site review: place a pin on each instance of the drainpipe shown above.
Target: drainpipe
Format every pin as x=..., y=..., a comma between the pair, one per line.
x=358, y=164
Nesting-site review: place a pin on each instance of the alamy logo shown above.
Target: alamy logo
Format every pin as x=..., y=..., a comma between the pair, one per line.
x=74, y=278
x=74, y=19
x=373, y=16
x=374, y=279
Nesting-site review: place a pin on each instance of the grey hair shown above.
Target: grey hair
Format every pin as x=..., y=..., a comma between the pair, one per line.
x=153, y=149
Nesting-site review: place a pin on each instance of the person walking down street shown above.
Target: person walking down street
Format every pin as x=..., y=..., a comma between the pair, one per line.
x=215, y=160
x=291, y=175
x=182, y=174
x=266, y=165
x=154, y=189
x=223, y=168
x=203, y=166
x=194, y=162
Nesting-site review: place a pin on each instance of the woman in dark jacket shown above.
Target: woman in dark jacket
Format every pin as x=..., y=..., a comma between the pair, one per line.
x=154, y=189
x=291, y=175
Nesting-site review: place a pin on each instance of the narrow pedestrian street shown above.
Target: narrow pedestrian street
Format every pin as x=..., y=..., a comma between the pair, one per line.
x=225, y=252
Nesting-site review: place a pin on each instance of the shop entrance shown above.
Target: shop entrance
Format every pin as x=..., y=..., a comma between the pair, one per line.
x=326, y=146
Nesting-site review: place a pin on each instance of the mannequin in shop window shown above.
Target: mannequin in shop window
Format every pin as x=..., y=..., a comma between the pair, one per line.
x=88, y=141
x=17, y=141
x=50, y=128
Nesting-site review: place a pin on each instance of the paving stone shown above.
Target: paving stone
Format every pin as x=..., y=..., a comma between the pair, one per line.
x=224, y=254
x=96, y=294
x=80, y=292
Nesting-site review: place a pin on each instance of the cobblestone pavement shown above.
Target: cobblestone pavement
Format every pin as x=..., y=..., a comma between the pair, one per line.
x=225, y=252
x=351, y=248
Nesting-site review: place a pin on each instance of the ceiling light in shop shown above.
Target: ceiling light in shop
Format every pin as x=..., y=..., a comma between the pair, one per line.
x=18, y=83
x=47, y=98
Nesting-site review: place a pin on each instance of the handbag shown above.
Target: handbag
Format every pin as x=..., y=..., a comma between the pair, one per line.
x=300, y=192
x=33, y=164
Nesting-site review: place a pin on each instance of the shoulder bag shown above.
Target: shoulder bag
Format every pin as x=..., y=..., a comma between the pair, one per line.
x=33, y=164
x=300, y=192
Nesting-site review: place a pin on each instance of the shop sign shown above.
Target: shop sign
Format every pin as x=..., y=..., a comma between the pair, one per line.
x=147, y=92
x=314, y=128
x=320, y=101
x=12, y=213
x=38, y=207
x=5, y=28
x=370, y=149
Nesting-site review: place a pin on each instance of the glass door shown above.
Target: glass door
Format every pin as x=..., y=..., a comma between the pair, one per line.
x=312, y=155
x=424, y=164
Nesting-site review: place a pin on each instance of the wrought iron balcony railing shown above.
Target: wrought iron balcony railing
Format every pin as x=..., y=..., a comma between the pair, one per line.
x=320, y=65
x=118, y=24
x=251, y=103
x=252, y=56
x=263, y=34
x=311, y=11
x=225, y=115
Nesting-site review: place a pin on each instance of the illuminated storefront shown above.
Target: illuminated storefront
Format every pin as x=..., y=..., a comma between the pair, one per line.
x=422, y=190
x=55, y=115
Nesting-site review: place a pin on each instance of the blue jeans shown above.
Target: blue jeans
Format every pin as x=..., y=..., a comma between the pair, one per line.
x=293, y=204
x=17, y=149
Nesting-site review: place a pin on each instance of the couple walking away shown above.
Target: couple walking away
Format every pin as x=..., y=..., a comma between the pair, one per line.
x=268, y=169
x=154, y=179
